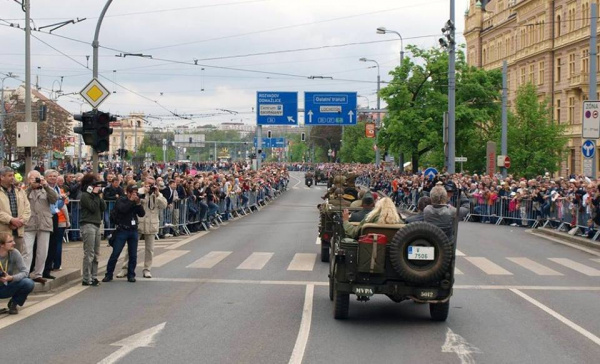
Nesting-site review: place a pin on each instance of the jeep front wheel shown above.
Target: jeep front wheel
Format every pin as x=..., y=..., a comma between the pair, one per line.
x=324, y=252
x=422, y=269
x=341, y=303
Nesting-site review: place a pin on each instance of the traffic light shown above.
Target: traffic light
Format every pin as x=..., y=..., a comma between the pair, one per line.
x=87, y=128
x=102, y=131
x=303, y=137
x=269, y=134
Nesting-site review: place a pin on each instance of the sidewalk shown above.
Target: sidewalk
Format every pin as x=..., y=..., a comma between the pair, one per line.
x=564, y=237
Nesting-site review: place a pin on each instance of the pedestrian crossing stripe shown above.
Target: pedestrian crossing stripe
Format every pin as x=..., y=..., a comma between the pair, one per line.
x=305, y=262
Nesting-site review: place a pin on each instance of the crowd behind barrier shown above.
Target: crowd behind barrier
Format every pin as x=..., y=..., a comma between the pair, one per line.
x=570, y=204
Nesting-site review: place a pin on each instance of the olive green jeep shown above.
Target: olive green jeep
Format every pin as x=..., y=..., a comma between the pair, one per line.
x=404, y=262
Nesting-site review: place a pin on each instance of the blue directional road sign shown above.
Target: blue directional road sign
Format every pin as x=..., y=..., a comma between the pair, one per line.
x=276, y=108
x=330, y=108
x=271, y=142
x=588, y=149
x=430, y=173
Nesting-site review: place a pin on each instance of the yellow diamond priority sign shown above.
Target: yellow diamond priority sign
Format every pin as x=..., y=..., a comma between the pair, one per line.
x=94, y=93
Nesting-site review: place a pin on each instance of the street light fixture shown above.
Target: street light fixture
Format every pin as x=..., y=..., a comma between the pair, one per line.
x=384, y=30
x=377, y=153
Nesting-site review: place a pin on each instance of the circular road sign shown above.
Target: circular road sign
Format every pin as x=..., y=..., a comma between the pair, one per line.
x=507, y=162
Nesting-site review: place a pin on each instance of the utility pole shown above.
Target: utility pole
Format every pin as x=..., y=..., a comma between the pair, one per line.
x=593, y=69
x=504, y=141
x=449, y=30
x=258, y=146
x=27, y=5
x=95, y=45
x=377, y=152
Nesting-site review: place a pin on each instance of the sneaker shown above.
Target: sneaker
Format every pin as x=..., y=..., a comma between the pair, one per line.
x=131, y=279
x=168, y=235
x=107, y=279
x=95, y=283
x=84, y=283
x=12, y=308
x=147, y=274
x=513, y=224
x=122, y=274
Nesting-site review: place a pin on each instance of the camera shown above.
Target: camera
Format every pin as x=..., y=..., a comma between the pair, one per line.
x=38, y=180
x=151, y=190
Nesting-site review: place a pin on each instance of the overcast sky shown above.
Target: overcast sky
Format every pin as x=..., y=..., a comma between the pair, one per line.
x=234, y=34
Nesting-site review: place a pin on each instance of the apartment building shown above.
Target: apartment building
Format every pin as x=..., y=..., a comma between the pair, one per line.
x=546, y=42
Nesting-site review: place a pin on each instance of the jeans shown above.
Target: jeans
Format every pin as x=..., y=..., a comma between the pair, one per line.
x=18, y=291
x=131, y=238
x=203, y=208
x=59, y=243
x=90, y=234
x=213, y=208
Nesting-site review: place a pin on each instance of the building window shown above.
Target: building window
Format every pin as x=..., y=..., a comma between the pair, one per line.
x=541, y=73
x=585, y=61
x=522, y=76
x=484, y=57
x=571, y=19
x=586, y=13
x=541, y=28
x=571, y=64
x=531, y=73
x=558, y=24
x=558, y=69
x=557, y=111
x=523, y=45
x=571, y=117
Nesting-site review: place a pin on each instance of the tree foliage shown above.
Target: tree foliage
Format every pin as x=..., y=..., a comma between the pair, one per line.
x=356, y=147
x=535, y=143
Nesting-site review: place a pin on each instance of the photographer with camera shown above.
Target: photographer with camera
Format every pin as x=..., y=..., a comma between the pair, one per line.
x=126, y=212
x=92, y=210
x=14, y=282
x=153, y=203
x=39, y=227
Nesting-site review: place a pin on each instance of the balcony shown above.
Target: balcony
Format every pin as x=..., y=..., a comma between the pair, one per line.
x=579, y=80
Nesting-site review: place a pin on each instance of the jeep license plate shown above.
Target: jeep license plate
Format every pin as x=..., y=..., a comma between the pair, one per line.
x=364, y=291
x=425, y=294
x=421, y=252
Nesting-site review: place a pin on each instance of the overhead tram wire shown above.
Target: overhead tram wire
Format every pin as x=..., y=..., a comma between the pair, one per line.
x=106, y=78
x=291, y=26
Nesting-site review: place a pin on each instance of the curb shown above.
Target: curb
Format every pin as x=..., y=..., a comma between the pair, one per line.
x=542, y=232
x=62, y=277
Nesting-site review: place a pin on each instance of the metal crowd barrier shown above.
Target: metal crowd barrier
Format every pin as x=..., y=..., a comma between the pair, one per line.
x=187, y=215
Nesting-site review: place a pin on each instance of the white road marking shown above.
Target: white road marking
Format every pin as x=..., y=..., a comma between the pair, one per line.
x=144, y=339
x=596, y=260
x=303, y=262
x=581, y=268
x=256, y=261
x=595, y=339
x=457, y=344
x=459, y=253
x=297, y=183
x=302, y=339
x=187, y=240
x=164, y=258
x=209, y=260
x=535, y=267
x=296, y=188
x=318, y=241
x=317, y=283
x=457, y=271
x=488, y=266
x=56, y=299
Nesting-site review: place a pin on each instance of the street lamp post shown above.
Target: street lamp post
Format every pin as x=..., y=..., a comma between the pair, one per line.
x=2, y=116
x=383, y=30
x=377, y=153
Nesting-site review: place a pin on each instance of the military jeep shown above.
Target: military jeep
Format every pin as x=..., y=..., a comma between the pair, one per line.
x=329, y=230
x=320, y=176
x=404, y=262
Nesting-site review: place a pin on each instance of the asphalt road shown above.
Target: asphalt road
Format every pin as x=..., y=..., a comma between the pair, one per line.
x=255, y=291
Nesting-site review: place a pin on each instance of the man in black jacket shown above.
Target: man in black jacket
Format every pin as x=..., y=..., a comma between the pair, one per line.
x=127, y=209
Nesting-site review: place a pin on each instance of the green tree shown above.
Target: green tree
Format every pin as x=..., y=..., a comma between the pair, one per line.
x=535, y=143
x=417, y=99
x=356, y=147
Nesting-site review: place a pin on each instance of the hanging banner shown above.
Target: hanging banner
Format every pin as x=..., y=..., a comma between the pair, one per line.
x=370, y=130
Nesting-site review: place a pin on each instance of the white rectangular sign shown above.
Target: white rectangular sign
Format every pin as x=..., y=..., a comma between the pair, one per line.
x=271, y=110
x=591, y=120
x=588, y=165
x=460, y=159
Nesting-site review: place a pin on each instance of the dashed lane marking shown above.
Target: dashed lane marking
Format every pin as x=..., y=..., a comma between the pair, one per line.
x=166, y=257
x=581, y=268
x=209, y=260
x=535, y=267
x=187, y=240
x=457, y=271
x=256, y=261
x=488, y=266
x=303, y=262
x=459, y=253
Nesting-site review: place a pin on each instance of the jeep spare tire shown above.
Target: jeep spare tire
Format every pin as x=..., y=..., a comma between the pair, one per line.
x=424, y=264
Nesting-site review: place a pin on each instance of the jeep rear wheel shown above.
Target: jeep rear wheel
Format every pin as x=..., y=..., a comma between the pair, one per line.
x=420, y=234
x=439, y=311
x=341, y=302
